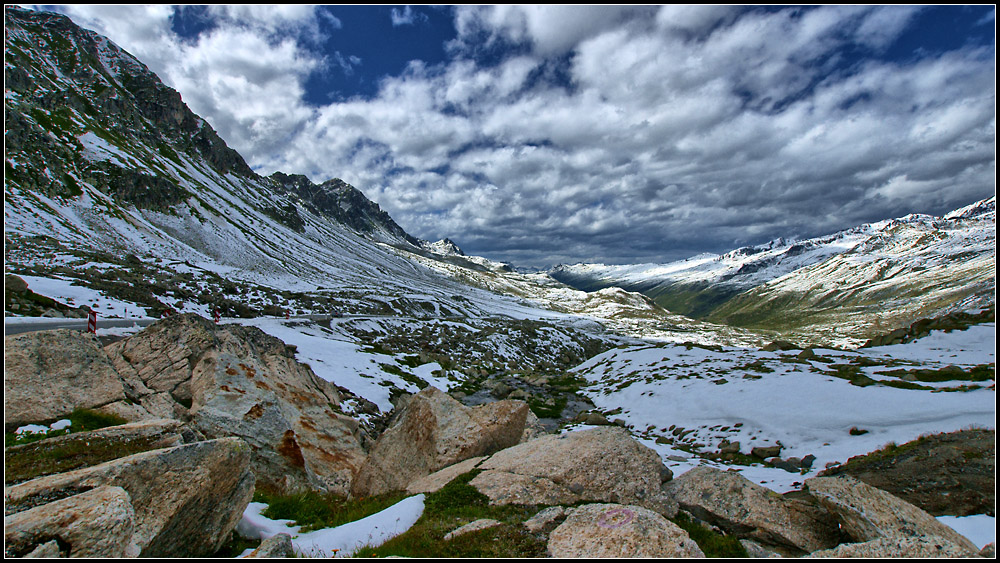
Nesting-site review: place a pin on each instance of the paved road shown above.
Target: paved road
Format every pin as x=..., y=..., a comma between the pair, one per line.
x=13, y=325
x=17, y=325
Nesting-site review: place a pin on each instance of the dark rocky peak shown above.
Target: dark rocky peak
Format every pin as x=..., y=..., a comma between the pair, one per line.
x=343, y=202
x=63, y=79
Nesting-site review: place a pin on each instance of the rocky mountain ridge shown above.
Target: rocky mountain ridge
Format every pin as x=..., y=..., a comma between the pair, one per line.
x=929, y=266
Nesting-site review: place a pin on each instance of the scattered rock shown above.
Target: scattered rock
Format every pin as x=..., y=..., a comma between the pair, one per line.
x=867, y=513
x=278, y=545
x=604, y=464
x=791, y=465
x=742, y=508
x=49, y=373
x=435, y=481
x=546, y=519
x=615, y=530
x=899, y=547
x=96, y=523
x=232, y=380
x=475, y=526
x=433, y=431
x=49, y=550
x=989, y=550
x=591, y=419
x=186, y=499
x=756, y=551
x=727, y=447
x=765, y=452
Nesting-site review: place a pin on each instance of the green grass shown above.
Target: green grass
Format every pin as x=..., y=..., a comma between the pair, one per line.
x=81, y=420
x=454, y=505
x=36, y=457
x=543, y=409
x=314, y=511
x=711, y=543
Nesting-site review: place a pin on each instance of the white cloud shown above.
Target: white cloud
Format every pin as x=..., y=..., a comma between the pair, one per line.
x=406, y=17
x=674, y=130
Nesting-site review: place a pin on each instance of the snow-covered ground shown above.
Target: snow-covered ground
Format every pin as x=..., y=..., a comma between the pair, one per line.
x=65, y=291
x=341, y=541
x=763, y=398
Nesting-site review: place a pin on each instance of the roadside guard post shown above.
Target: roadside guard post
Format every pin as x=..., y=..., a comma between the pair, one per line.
x=216, y=315
x=92, y=322
x=288, y=314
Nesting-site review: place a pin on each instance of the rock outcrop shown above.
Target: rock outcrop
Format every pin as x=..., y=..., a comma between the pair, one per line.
x=432, y=431
x=614, y=530
x=185, y=501
x=867, y=513
x=747, y=510
x=96, y=523
x=604, y=464
x=238, y=381
x=49, y=373
x=84, y=449
x=898, y=547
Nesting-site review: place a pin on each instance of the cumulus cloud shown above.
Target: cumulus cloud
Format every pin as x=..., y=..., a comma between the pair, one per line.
x=406, y=16
x=612, y=134
x=245, y=73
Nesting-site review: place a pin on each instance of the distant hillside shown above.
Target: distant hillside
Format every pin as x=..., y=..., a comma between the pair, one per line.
x=876, y=276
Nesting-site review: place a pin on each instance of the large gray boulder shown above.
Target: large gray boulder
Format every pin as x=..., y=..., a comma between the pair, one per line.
x=432, y=431
x=747, y=510
x=186, y=500
x=233, y=380
x=95, y=523
x=898, y=547
x=49, y=373
x=867, y=513
x=619, y=531
x=604, y=464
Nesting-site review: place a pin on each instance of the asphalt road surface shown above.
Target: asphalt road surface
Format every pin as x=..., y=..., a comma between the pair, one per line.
x=15, y=325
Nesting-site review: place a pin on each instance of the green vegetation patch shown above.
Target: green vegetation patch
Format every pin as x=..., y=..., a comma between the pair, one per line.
x=27, y=456
x=455, y=505
x=314, y=511
x=548, y=408
x=81, y=420
x=711, y=543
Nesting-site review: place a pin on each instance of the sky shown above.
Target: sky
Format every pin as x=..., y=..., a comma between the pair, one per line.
x=546, y=134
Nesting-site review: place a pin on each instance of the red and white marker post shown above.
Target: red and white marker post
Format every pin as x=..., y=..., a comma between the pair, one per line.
x=92, y=322
x=216, y=315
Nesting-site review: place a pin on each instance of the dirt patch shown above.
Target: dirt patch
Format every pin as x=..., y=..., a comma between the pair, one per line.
x=944, y=474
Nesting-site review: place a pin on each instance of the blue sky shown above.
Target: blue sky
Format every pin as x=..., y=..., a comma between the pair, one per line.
x=616, y=134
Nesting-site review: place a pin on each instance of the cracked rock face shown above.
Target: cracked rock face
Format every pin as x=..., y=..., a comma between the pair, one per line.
x=615, y=530
x=433, y=431
x=239, y=381
x=747, y=510
x=49, y=373
x=867, y=513
x=183, y=502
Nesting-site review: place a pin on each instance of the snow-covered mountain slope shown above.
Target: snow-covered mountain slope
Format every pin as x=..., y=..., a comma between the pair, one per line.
x=106, y=170
x=924, y=265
